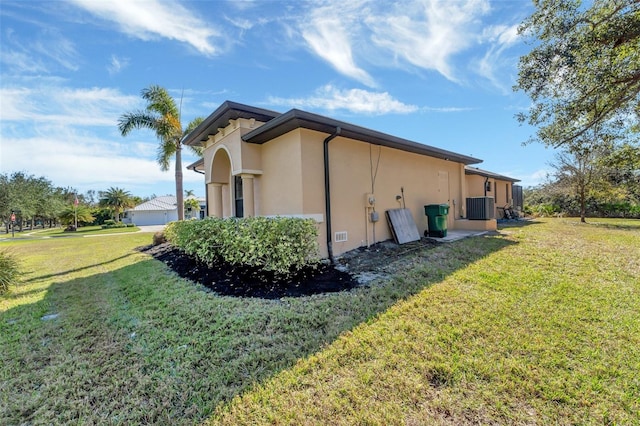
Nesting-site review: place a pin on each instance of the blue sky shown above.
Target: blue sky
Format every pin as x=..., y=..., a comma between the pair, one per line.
x=435, y=72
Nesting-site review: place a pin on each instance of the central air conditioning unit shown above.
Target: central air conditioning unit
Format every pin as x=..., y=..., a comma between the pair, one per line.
x=480, y=208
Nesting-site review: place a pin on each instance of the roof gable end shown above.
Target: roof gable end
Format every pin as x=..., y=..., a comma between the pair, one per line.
x=220, y=118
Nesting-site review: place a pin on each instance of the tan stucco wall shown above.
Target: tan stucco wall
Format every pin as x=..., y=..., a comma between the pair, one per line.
x=288, y=179
x=499, y=188
x=280, y=191
x=475, y=186
x=425, y=180
x=502, y=192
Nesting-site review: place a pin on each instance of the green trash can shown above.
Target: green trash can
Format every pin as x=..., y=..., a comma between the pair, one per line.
x=436, y=220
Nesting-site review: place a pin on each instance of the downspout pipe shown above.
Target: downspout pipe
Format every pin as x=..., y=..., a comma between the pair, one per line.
x=486, y=179
x=327, y=193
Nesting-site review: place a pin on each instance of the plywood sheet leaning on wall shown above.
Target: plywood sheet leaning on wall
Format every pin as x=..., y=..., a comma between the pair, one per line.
x=403, y=227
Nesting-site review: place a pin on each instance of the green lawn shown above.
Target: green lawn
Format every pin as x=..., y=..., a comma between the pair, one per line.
x=59, y=232
x=537, y=325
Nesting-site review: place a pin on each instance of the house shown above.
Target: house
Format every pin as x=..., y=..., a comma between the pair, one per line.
x=345, y=177
x=160, y=211
x=499, y=188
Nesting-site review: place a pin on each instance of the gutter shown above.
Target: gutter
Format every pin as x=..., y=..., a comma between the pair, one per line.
x=327, y=192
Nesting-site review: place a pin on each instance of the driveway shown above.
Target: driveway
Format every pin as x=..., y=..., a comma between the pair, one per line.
x=152, y=228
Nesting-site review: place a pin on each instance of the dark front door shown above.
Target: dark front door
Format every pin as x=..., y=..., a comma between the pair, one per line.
x=237, y=185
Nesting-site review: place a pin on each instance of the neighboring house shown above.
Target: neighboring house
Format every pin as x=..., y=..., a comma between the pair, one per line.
x=261, y=162
x=160, y=211
x=196, y=213
x=482, y=183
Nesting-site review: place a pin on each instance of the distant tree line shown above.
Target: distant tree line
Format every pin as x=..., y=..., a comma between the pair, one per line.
x=37, y=202
x=583, y=78
x=601, y=181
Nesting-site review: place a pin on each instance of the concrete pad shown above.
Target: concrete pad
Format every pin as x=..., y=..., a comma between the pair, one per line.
x=152, y=228
x=457, y=234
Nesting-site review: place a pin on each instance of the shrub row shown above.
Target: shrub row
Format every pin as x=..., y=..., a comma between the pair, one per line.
x=9, y=270
x=280, y=245
x=110, y=224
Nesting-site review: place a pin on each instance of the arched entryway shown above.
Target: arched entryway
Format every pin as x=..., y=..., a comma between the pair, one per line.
x=229, y=195
x=218, y=187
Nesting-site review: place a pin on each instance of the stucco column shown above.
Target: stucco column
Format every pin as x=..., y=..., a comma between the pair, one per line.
x=247, y=194
x=215, y=198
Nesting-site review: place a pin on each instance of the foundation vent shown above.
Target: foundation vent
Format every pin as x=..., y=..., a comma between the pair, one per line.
x=341, y=237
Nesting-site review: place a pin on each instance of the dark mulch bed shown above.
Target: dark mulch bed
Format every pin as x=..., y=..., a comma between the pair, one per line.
x=250, y=282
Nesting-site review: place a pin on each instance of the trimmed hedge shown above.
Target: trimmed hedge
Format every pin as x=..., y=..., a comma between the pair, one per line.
x=111, y=224
x=9, y=270
x=280, y=245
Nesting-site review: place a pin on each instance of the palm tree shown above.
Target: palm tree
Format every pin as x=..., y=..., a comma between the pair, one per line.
x=162, y=116
x=116, y=199
x=191, y=203
x=69, y=215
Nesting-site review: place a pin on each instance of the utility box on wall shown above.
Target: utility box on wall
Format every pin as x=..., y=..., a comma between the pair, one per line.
x=480, y=208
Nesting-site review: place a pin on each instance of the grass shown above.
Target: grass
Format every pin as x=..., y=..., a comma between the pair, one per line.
x=84, y=230
x=59, y=232
x=536, y=325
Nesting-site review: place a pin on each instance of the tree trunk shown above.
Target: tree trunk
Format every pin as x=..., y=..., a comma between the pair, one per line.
x=583, y=208
x=179, y=191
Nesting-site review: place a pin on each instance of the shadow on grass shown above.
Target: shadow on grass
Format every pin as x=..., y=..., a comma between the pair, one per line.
x=16, y=293
x=630, y=226
x=153, y=348
x=87, y=232
x=517, y=223
x=57, y=274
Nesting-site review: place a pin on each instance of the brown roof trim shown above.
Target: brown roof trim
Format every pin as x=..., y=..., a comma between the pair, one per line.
x=295, y=118
x=476, y=171
x=196, y=165
x=220, y=118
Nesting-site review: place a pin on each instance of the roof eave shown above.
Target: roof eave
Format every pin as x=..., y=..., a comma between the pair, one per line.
x=486, y=173
x=302, y=119
x=196, y=165
x=220, y=118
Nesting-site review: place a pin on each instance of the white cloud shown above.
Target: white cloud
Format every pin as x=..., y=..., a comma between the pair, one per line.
x=117, y=64
x=359, y=101
x=46, y=50
x=243, y=24
x=21, y=62
x=70, y=136
x=85, y=162
x=428, y=33
x=500, y=37
x=328, y=32
x=151, y=19
x=62, y=105
x=446, y=109
x=355, y=100
x=414, y=35
x=534, y=178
